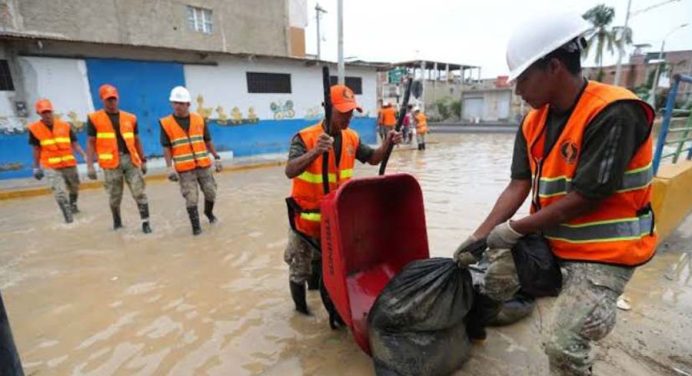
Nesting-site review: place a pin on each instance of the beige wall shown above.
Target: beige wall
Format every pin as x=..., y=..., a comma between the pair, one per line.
x=239, y=26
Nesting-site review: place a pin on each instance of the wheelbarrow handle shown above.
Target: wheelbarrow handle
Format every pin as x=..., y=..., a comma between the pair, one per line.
x=326, y=85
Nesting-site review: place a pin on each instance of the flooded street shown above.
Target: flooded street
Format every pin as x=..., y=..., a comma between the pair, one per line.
x=85, y=300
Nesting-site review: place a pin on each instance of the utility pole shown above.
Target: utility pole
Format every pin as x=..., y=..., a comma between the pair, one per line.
x=340, y=26
x=621, y=49
x=621, y=46
x=318, y=11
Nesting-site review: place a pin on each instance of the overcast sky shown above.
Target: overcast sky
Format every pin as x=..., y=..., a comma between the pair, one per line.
x=472, y=32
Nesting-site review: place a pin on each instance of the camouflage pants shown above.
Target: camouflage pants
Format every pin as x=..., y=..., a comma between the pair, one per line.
x=299, y=255
x=128, y=173
x=192, y=181
x=585, y=310
x=63, y=182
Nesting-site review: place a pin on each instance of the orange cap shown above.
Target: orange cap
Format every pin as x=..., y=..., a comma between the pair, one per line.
x=108, y=91
x=343, y=99
x=43, y=105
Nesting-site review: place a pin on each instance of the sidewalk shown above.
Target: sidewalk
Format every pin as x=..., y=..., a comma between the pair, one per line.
x=30, y=187
x=473, y=128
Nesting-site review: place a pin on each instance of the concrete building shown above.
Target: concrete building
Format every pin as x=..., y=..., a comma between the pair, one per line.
x=491, y=101
x=641, y=68
x=435, y=82
x=244, y=70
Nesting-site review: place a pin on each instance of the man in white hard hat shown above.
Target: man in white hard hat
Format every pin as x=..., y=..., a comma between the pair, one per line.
x=584, y=153
x=113, y=140
x=186, y=147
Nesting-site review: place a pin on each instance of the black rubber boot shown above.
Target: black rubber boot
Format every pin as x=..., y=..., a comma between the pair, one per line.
x=144, y=215
x=314, y=281
x=420, y=146
x=484, y=311
x=423, y=146
x=209, y=211
x=73, y=203
x=298, y=295
x=66, y=210
x=193, y=213
x=117, y=221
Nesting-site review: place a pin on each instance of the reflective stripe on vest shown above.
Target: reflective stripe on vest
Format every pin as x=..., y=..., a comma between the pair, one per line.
x=633, y=179
x=317, y=179
x=314, y=217
x=603, y=231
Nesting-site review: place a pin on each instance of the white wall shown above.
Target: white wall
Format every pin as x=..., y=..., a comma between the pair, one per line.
x=225, y=85
x=63, y=81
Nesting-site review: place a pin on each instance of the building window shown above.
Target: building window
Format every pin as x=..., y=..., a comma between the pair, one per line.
x=199, y=19
x=5, y=77
x=353, y=83
x=268, y=82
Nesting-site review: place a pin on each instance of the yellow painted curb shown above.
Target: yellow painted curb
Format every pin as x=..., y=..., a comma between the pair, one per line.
x=672, y=197
x=10, y=194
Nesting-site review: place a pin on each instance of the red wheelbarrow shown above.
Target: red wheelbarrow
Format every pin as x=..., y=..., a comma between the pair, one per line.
x=371, y=228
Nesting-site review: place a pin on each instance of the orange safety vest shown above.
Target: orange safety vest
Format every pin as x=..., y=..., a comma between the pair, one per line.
x=388, y=117
x=421, y=123
x=189, y=149
x=621, y=230
x=56, y=146
x=106, y=143
x=307, y=189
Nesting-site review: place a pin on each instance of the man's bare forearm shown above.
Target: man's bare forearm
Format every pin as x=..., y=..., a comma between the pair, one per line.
x=167, y=156
x=91, y=147
x=296, y=166
x=506, y=206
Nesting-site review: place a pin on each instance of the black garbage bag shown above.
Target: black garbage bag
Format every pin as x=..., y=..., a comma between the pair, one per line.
x=537, y=267
x=417, y=325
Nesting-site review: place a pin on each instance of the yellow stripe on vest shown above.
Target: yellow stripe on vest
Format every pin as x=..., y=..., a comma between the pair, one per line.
x=105, y=135
x=314, y=217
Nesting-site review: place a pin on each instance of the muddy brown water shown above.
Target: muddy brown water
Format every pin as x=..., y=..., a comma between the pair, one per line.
x=85, y=300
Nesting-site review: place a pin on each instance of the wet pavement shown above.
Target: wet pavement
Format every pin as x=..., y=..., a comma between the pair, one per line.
x=85, y=300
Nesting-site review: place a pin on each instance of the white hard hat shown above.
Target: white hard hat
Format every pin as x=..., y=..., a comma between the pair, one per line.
x=180, y=94
x=540, y=36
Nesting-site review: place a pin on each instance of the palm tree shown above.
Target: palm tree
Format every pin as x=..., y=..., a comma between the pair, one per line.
x=599, y=37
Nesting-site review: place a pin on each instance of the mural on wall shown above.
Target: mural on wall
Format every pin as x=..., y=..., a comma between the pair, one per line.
x=224, y=119
x=10, y=126
x=204, y=111
x=283, y=110
x=314, y=113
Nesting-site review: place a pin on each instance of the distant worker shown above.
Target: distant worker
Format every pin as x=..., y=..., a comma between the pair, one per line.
x=186, y=147
x=114, y=141
x=304, y=167
x=386, y=120
x=407, y=125
x=421, y=122
x=54, y=144
x=584, y=152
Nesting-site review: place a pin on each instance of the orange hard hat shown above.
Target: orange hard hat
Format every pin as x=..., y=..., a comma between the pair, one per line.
x=108, y=91
x=343, y=99
x=43, y=105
